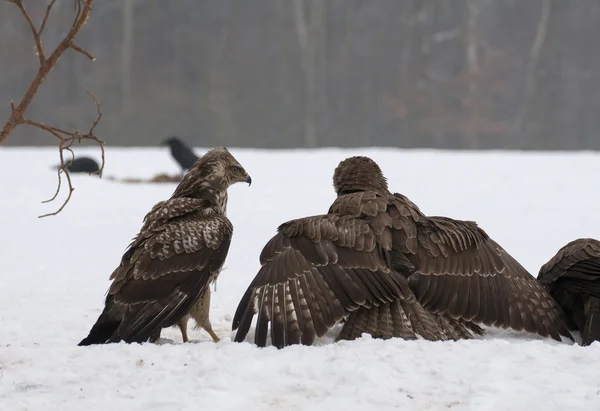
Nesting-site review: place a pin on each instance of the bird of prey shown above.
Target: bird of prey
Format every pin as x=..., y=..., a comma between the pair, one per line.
x=181, y=152
x=378, y=264
x=81, y=165
x=179, y=250
x=572, y=277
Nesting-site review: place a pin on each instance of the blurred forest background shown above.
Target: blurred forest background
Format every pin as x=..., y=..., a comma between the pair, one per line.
x=475, y=74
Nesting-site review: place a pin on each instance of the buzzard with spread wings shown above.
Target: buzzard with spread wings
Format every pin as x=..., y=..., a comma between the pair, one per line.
x=572, y=277
x=179, y=250
x=376, y=263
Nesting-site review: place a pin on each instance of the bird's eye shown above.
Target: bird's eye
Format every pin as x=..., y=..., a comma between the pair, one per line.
x=236, y=169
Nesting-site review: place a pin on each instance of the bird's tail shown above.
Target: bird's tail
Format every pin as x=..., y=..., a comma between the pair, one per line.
x=103, y=329
x=591, y=330
x=383, y=321
x=456, y=329
x=405, y=319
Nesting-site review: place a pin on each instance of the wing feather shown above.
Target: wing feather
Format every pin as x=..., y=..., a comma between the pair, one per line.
x=165, y=271
x=262, y=321
x=572, y=277
x=330, y=264
x=458, y=270
x=579, y=259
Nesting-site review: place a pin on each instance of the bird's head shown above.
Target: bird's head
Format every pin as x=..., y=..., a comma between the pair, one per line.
x=172, y=141
x=358, y=174
x=168, y=141
x=215, y=171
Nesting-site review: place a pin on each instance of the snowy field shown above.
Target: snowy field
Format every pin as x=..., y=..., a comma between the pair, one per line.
x=54, y=273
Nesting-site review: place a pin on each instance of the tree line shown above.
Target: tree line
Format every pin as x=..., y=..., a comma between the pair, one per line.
x=472, y=74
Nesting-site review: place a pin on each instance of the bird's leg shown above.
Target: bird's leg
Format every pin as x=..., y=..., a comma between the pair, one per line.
x=214, y=336
x=182, y=324
x=155, y=337
x=201, y=314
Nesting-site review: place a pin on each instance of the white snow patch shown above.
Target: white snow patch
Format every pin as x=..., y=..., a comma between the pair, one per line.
x=54, y=274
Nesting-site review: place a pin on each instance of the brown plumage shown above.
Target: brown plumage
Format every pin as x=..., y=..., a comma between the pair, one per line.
x=200, y=313
x=572, y=277
x=378, y=264
x=179, y=250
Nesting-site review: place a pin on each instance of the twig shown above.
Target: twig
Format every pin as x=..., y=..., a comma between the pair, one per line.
x=36, y=36
x=82, y=9
x=43, y=26
x=82, y=51
x=67, y=138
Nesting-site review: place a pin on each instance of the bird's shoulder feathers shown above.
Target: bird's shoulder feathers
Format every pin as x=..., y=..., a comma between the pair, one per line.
x=179, y=235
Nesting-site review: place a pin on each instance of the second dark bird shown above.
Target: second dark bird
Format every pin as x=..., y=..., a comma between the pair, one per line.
x=572, y=277
x=81, y=165
x=181, y=152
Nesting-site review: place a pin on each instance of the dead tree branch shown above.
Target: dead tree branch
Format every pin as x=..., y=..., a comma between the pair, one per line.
x=83, y=9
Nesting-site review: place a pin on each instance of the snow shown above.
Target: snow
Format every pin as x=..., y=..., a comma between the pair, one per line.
x=54, y=273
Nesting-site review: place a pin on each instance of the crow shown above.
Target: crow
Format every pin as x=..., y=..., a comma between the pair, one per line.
x=81, y=165
x=181, y=152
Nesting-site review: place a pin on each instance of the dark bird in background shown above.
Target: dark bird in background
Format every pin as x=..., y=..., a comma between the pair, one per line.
x=572, y=277
x=81, y=165
x=378, y=264
x=181, y=152
x=178, y=252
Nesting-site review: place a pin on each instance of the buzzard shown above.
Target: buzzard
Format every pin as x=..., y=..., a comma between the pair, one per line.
x=572, y=277
x=376, y=263
x=179, y=250
x=181, y=152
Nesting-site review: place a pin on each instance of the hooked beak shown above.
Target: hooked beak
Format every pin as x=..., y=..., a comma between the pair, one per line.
x=248, y=180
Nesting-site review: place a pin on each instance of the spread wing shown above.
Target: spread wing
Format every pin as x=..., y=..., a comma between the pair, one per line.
x=455, y=268
x=575, y=267
x=315, y=271
x=161, y=276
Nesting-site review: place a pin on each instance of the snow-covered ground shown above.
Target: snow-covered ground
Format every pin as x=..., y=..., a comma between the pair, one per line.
x=54, y=273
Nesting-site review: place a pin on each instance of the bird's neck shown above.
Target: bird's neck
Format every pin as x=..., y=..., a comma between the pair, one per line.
x=360, y=183
x=215, y=199
x=221, y=201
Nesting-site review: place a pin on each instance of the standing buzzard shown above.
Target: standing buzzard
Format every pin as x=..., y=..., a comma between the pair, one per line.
x=179, y=250
x=572, y=277
x=378, y=264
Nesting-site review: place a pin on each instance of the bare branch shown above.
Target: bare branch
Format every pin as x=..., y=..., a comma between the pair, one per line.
x=71, y=189
x=57, y=189
x=67, y=139
x=43, y=26
x=83, y=9
x=77, y=9
x=82, y=51
x=36, y=36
